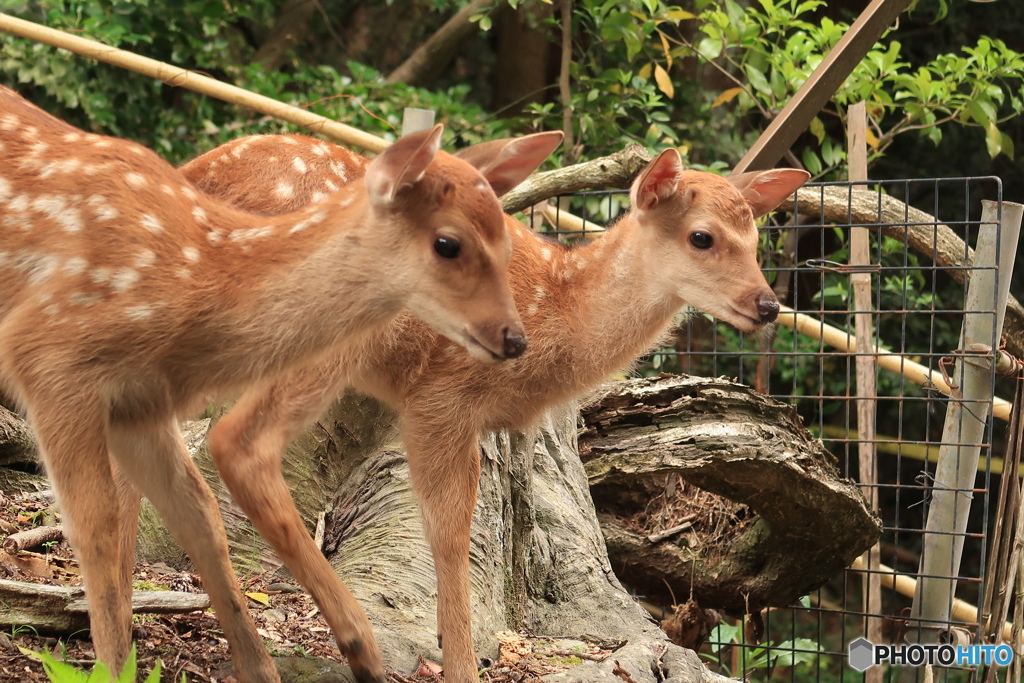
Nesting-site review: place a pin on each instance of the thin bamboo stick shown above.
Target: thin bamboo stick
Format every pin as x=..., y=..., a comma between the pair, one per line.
x=176, y=76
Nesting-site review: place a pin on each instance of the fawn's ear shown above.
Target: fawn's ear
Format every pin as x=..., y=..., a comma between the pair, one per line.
x=401, y=165
x=658, y=182
x=507, y=162
x=764, y=190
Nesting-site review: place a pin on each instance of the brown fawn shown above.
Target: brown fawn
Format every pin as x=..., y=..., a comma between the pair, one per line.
x=129, y=299
x=690, y=238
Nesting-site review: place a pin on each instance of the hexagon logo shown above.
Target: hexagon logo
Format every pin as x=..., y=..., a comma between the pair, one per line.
x=860, y=654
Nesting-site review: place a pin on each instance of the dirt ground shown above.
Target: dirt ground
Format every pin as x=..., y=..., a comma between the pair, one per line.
x=193, y=645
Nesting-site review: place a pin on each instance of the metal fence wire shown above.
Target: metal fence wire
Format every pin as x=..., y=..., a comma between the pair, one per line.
x=919, y=302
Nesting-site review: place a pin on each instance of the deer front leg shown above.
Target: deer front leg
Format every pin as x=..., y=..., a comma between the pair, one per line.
x=73, y=444
x=445, y=464
x=247, y=446
x=129, y=502
x=152, y=454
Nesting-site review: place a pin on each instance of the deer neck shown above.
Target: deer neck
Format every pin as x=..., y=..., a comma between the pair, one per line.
x=297, y=284
x=612, y=303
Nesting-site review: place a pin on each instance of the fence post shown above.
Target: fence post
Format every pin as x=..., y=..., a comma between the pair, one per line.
x=966, y=418
x=415, y=120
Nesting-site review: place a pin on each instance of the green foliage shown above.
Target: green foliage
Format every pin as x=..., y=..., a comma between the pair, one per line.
x=61, y=672
x=801, y=653
x=776, y=44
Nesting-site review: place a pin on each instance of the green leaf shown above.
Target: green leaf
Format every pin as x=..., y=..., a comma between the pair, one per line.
x=758, y=80
x=817, y=129
x=811, y=161
x=993, y=140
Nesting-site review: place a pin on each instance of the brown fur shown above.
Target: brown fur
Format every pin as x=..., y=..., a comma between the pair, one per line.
x=589, y=311
x=127, y=298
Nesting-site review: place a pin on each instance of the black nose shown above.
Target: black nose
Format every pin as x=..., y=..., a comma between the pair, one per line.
x=768, y=308
x=515, y=343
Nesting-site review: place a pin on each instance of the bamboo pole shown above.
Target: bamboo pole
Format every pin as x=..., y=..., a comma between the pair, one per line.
x=906, y=586
x=178, y=77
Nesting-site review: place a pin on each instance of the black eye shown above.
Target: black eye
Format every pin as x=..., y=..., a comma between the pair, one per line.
x=447, y=247
x=701, y=240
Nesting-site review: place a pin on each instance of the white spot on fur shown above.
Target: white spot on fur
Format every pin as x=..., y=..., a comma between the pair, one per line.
x=59, y=210
x=199, y=214
x=339, y=170
x=9, y=122
x=539, y=292
x=19, y=203
x=136, y=180
x=141, y=312
x=63, y=166
x=532, y=309
x=545, y=253
x=35, y=266
x=151, y=223
x=191, y=254
x=289, y=141
x=145, y=258
x=250, y=234
x=183, y=273
x=331, y=186
x=168, y=190
x=214, y=236
x=317, y=197
x=346, y=201
x=299, y=165
x=124, y=279
x=72, y=137
x=316, y=218
x=189, y=192
x=101, y=275
x=74, y=266
x=83, y=299
x=320, y=150
x=101, y=142
x=18, y=220
x=284, y=190
x=52, y=309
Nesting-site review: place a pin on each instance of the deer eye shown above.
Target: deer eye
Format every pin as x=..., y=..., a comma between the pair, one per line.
x=701, y=240
x=447, y=247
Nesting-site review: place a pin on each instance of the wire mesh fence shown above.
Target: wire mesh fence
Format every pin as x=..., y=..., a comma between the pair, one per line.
x=920, y=233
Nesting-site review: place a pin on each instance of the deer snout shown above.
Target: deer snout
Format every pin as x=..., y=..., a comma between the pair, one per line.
x=515, y=342
x=767, y=307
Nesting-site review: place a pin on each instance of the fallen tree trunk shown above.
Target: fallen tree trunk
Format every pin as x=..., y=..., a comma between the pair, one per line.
x=17, y=443
x=781, y=524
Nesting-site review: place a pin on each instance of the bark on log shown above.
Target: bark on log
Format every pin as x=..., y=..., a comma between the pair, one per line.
x=17, y=443
x=920, y=230
x=616, y=170
x=58, y=609
x=728, y=440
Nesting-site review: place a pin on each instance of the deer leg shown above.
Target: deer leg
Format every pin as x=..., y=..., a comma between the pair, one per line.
x=247, y=446
x=129, y=501
x=72, y=440
x=445, y=470
x=153, y=456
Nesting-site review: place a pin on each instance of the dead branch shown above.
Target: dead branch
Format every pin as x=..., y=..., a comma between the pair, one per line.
x=59, y=609
x=616, y=170
x=31, y=538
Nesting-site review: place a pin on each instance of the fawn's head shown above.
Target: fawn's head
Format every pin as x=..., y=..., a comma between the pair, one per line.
x=707, y=237
x=456, y=264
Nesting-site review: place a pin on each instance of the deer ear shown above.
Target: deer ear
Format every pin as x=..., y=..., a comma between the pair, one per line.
x=657, y=182
x=764, y=190
x=401, y=165
x=507, y=162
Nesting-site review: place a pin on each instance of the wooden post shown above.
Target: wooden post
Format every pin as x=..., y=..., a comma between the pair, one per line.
x=794, y=118
x=966, y=419
x=860, y=255
x=415, y=120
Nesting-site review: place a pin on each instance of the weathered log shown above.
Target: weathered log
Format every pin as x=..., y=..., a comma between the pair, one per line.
x=17, y=443
x=59, y=609
x=616, y=170
x=728, y=440
x=921, y=231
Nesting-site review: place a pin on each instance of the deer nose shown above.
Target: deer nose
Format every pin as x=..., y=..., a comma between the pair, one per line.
x=768, y=308
x=514, y=344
